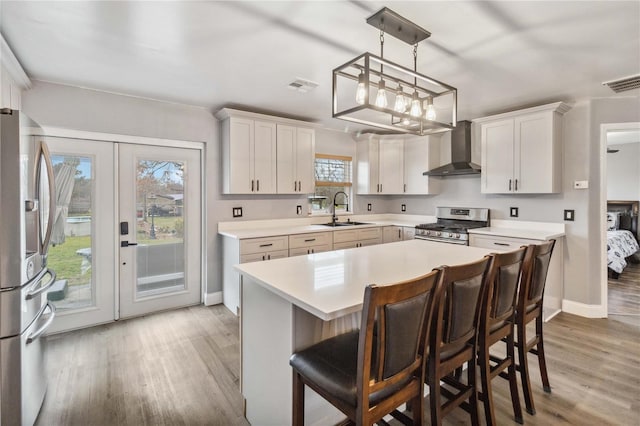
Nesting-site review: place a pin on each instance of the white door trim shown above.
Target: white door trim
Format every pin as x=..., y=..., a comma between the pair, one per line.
x=114, y=137
x=602, y=211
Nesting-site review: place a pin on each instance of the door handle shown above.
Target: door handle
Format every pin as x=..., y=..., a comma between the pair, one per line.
x=127, y=244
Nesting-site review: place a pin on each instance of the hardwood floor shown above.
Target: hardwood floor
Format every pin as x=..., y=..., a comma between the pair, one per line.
x=172, y=368
x=624, y=295
x=181, y=368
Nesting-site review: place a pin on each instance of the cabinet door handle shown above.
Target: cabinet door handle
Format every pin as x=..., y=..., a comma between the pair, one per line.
x=295, y=187
x=405, y=188
x=312, y=251
x=399, y=234
x=263, y=257
x=300, y=185
x=516, y=184
x=380, y=187
x=309, y=240
x=269, y=257
x=503, y=244
x=258, y=185
x=251, y=185
x=266, y=245
x=509, y=184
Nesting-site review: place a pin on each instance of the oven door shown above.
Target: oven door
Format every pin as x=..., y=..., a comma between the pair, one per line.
x=441, y=240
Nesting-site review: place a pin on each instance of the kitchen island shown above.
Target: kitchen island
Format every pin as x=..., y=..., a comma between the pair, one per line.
x=289, y=304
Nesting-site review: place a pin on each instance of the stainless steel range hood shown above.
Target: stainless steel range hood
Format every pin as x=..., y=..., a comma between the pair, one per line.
x=460, y=154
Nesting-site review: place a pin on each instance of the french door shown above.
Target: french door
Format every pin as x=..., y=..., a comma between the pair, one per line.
x=127, y=230
x=82, y=249
x=159, y=228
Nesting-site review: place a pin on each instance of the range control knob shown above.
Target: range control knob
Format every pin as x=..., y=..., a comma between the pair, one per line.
x=438, y=233
x=450, y=235
x=457, y=235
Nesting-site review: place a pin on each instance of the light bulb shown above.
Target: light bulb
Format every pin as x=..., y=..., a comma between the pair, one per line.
x=361, y=91
x=431, y=111
x=381, y=97
x=401, y=103
x=416, y=109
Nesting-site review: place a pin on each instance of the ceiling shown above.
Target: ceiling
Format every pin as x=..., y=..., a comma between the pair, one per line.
x=499, y=55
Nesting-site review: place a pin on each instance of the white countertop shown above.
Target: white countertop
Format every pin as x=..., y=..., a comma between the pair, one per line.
x=272, y=228
x=331, y=284
x=540, y=231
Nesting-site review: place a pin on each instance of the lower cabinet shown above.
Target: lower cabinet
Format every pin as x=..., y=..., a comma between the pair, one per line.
x=316, y=242
x=267, y=255
x=353, y=238
x=553, y=292
x=391, y=234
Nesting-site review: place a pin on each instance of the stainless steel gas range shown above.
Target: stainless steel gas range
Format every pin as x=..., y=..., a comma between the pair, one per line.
x=452, y=224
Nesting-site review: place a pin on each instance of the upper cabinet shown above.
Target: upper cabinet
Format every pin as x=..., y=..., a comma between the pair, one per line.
x=395, y=166
x=13, y=79
x=265, y=155
x=522, y=150
x=295, y=160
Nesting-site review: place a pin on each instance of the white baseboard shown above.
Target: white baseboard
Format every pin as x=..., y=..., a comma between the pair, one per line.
x=211, y=299
x=582, y=309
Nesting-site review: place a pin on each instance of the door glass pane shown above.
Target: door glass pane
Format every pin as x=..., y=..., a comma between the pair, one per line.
x=71, y=238
x=160, y=227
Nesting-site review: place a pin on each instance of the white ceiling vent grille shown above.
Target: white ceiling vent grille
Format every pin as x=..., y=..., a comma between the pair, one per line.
x=624, y=84
x=302, y=85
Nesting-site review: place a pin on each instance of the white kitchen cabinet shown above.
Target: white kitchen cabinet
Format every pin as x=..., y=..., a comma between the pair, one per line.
x=243, y=251
x=391, y=234
x=421, y=155
x=408, y=233
x=553, y=292
x=395, y=166
x=353, y=238
x=10, y=92
x=248, y=156
x=315, y=242
x=380, y=166
x=522, y=150
x=295, y=159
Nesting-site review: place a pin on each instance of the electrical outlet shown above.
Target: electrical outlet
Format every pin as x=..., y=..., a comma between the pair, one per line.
x=513, y=211
x=569, y=215
x=237, y=212
x=403, y=207
x=369, y=207
x=298, y=210
x=581, y=184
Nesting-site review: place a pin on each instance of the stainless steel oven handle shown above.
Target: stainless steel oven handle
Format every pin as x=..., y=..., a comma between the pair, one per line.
x=39, y=288
x=32, y=337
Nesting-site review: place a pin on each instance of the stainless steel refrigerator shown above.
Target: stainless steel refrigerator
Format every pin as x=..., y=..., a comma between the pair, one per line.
x=26, y=218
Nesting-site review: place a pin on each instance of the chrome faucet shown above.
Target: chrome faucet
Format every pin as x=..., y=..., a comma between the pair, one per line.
x=334, y=218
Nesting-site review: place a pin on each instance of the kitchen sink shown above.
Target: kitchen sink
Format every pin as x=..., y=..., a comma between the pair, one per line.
x=334, y=224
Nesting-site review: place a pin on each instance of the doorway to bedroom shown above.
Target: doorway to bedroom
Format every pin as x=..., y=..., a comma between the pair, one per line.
x=622, y=164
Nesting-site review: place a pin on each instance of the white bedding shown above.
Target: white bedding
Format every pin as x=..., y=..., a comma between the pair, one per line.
x=620, y=244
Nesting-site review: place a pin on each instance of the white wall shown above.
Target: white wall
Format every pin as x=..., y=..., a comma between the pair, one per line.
x=623, y=172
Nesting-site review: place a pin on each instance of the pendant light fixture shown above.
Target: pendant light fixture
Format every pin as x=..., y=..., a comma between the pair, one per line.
x=409, y=90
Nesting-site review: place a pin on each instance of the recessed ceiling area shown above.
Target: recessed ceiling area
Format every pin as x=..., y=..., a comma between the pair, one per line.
x=499, y=55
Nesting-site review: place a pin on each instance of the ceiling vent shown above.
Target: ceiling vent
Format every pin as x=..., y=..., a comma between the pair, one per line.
x=624, y=84
x=302, y=85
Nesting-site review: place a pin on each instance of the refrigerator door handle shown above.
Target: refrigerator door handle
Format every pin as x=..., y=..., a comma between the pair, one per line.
x=44, y=152
x=32, y=337
x=38, y=287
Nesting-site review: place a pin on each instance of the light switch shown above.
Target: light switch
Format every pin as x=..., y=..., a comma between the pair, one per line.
x=403, y=207
x=513, y=211
x=569, y=215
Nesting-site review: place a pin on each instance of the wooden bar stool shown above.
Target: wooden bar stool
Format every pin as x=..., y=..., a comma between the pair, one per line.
x=530, y=298
x=453, y=340
x=497, y=321
x=367, y=374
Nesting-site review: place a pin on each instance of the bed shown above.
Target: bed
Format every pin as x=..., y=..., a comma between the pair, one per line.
x=622, y=235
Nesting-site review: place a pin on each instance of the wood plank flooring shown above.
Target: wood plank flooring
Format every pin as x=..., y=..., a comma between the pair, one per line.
x=624, y=293
x=181, y=368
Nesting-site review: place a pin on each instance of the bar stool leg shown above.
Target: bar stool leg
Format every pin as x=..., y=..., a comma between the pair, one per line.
x=524, y=369
x=298, y=400
x=513, y=382
x=541, y=359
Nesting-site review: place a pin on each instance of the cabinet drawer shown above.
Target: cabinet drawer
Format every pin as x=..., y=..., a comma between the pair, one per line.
x=344, y=236
x=499, y=243
x=369, y=234
x=258, y=257
x=260, y=245
x=371, y=242
x=300, y=251
x=309, y=240
x=345, y=245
